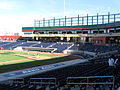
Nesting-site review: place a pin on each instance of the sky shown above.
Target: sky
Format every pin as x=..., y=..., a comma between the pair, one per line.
x=15, y=14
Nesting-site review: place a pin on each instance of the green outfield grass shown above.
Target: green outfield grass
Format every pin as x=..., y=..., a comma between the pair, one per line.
x=9, y=57
x=13, y=60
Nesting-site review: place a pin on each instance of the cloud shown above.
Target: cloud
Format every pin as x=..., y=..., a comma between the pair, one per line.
x=11, y=23
x=14, y=23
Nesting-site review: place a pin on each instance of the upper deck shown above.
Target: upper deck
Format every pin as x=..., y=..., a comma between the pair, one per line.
x=76, y=23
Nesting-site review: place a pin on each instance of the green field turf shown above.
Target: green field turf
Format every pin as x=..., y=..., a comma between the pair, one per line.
x=12, y=66
x=9, y=57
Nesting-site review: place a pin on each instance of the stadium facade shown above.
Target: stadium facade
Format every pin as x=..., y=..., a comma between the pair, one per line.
x=97, y=29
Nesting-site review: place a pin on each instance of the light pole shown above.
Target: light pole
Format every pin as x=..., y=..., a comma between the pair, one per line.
x=64, y=8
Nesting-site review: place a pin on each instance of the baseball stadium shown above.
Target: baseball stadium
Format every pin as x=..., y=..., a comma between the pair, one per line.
x=68, y=53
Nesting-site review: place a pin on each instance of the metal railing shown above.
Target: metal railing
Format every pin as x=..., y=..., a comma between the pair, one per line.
x=73, y=21
x=91, y=80
x=43, y=81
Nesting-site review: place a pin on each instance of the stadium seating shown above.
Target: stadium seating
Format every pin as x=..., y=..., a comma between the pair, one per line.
x=94, y=48
x=43, y=44
x=94, y=38
x=10, y=45
x=3, y=43
x=96, y=67
x=60, y=47
x=42, y=81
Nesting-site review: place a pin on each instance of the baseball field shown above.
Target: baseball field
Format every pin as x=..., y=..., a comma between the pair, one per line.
x=17, y=60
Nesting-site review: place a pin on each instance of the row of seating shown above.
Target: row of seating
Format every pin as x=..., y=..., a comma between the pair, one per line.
x=79, y=70
x=60, y=47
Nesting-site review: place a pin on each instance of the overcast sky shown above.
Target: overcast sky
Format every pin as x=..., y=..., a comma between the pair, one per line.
x=15, y=14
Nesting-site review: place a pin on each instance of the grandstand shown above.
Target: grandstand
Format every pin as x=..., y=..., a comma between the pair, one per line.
x=92, y=38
